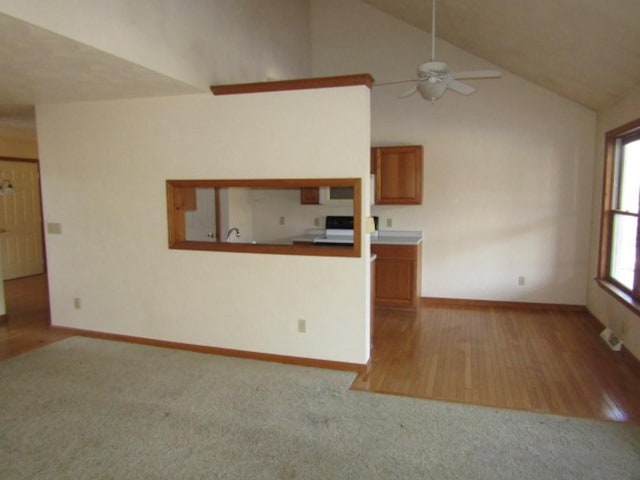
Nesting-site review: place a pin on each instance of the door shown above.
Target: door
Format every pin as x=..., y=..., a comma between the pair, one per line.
x=21, y=246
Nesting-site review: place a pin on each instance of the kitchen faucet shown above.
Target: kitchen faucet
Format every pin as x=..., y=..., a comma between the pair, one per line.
x=231, y=231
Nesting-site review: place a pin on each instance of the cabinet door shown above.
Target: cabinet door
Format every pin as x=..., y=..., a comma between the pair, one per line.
x=397, y=280
x=398, y=175
x=310, y=196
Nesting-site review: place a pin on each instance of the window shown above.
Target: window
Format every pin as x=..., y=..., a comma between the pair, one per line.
x=619, y=268
x=258, y=216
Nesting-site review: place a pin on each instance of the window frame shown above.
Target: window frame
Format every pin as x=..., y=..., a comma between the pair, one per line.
x=176, y=227
x=614, y=139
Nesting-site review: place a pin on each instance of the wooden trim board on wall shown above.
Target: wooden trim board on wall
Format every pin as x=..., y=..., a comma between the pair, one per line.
x=461, y=302
x=267, y=357
x=626, y=356
x=364, y=79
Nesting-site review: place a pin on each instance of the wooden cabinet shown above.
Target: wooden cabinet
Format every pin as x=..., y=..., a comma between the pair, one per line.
x=398, y=275
x=372, y=312
x=310, y=196
x=398, y=174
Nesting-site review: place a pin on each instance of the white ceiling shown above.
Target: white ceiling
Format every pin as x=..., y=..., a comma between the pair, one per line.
x=39, y=66
x=585, y=50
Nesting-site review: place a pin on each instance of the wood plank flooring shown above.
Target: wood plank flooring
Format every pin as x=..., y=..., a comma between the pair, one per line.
x=549, y=361
x=537, y=360
x=27, y=327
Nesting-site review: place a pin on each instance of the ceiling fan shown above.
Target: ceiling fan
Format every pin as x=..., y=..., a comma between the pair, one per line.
x=434, y=78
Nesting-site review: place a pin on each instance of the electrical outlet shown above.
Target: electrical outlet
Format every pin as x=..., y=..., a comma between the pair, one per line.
x=77, y=304
x=521, y=280
x=316, y=221
x=302, y=325
x=281, y=220
x=389, y=222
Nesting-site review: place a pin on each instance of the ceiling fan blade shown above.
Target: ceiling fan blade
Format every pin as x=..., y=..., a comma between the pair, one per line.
x=382, y=84
x=477, y=74
x=409, y=92
x=459, y=87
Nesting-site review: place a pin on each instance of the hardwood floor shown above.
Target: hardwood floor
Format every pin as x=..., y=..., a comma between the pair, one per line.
x=547, y=361
x=27, y=327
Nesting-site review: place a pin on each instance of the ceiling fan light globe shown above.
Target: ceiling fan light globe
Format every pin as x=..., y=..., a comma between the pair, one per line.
x=432, y=91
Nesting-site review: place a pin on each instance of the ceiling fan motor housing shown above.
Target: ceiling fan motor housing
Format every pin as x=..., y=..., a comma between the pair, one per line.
x=433, y=69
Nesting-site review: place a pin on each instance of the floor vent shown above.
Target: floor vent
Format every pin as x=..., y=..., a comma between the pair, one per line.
x=611, y=339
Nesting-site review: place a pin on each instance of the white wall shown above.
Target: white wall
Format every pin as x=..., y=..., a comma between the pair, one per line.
x=608, y=310
x=299, y=219
x=104, y=167
x=508, y=170
x=240, y=214
x=200, y=42
x=200, y=223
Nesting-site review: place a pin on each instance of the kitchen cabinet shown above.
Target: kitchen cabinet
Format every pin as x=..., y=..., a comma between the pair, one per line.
x=397, y=275
x=372, y=311
x=310, y=196
x=398, y=174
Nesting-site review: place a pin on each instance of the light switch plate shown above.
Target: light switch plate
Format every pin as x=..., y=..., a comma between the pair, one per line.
x=54, y=228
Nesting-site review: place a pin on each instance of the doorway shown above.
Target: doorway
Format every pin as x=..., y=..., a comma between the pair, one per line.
x=21, y=240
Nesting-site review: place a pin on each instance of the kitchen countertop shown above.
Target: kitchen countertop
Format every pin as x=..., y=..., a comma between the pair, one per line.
x=385, y=237
x=397, y=237
x=306, y=238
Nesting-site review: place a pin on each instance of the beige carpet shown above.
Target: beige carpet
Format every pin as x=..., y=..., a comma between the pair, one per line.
x=94, y=409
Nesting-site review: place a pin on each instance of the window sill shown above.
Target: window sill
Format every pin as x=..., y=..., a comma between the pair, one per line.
x=620, y=295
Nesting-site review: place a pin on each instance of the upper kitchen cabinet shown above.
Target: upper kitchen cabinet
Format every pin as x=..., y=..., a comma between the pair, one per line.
x=310, y=196
x=398, y=174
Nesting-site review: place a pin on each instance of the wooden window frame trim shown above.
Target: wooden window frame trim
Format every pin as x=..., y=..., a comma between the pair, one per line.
x=620, y=295
x=175, y=218
x=604, y=280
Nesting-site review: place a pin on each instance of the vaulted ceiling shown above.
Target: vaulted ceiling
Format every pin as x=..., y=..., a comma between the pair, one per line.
x=39, y=66
x=585, y=50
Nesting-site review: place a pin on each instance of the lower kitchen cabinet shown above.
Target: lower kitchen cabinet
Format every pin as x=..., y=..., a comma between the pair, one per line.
x=397, y=275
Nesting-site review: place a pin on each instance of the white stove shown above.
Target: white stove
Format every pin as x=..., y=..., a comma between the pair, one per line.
x=339, y=231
